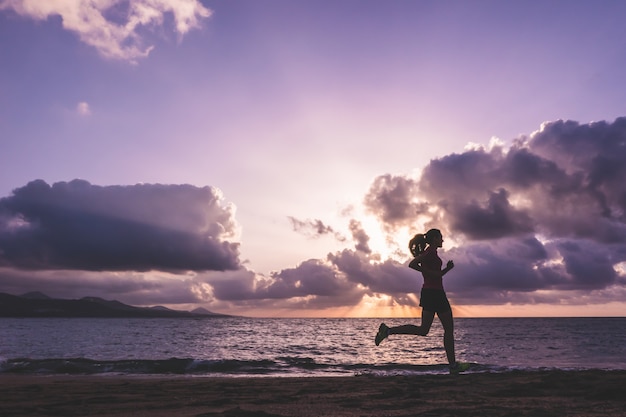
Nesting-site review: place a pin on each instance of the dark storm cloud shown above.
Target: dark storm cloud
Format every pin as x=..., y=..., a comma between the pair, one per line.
x=565, y=180
x=512, y=269
x=496, y=218
x=80, y=226
x=589, y=265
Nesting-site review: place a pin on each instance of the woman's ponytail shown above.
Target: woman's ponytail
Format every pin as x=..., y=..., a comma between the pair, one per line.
x=417, y=245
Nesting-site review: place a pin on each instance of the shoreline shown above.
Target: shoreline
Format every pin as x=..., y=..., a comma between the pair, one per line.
x=546, y=393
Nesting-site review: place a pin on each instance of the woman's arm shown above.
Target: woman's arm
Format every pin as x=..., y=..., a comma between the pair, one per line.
x=448, y=267
x=415, y=264
x=431, y=272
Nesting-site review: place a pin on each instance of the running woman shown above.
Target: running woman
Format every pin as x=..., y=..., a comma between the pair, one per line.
x=433, y=299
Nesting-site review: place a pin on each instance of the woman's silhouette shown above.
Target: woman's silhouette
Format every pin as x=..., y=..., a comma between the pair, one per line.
x=433, y=299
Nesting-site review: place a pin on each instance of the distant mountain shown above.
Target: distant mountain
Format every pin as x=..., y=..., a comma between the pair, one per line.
x=36, y=304
x=203, y=312
x=35, y=295
x=162, y=308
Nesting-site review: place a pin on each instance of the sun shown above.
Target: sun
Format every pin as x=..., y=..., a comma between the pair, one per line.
x=384, y=244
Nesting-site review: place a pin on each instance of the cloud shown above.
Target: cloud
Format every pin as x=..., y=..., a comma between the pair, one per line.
x=388, y=277
x=540, y=221
x=314, y=228
x=130, y=287
x=562, y=181
x=114, y=27
x=493, y=219
x=360, y=237
x=393, y=199
x=77, y=225
x=342, y=279
x=548, y=214
x=312, y=277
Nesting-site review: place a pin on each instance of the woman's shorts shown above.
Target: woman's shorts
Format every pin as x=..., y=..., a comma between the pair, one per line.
x=434, y=300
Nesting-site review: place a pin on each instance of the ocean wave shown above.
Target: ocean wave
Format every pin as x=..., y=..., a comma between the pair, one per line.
x=134, y=366
x=273, y=347
x=282, y=366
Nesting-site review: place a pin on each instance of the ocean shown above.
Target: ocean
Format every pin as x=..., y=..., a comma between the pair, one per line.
x=234, y=347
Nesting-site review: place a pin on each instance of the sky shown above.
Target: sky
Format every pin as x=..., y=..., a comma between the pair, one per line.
x=273, y=158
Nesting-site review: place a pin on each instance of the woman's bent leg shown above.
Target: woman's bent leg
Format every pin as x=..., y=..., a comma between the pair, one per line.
x=421, y=330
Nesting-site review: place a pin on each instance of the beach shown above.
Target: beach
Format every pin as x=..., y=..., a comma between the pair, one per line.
x=531, y=393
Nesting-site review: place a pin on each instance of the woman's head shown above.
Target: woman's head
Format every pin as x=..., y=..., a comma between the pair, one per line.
x=434, y=237
x=418, y=244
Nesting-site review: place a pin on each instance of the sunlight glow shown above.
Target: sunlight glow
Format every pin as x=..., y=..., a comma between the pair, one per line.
x=612, y=309
x=16, y=223
x=620, y=268
x=382, y=305
x=550, y=263
x=378, y=242
x=387, y=245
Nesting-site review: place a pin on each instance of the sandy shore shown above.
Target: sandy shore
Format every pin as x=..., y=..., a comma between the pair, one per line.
x=549, y=393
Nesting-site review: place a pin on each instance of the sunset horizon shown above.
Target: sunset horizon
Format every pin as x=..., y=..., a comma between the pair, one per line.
x=274, y=159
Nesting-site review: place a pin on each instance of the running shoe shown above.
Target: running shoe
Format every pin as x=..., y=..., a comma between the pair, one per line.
x=459, y=367
x=383, y=332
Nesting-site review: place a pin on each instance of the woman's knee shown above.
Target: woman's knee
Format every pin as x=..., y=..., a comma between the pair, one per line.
x=423, y=331
x=424, y=328
x=447, y=322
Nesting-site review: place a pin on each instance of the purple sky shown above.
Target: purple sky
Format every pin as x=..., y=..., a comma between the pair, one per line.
x=274, y=157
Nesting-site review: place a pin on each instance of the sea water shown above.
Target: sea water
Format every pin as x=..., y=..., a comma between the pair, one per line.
x=302, y=347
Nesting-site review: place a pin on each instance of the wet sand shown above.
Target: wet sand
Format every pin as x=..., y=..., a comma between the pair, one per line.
x=541, y=393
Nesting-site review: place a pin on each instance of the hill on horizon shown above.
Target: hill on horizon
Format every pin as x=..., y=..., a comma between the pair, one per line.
x=37, y=304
